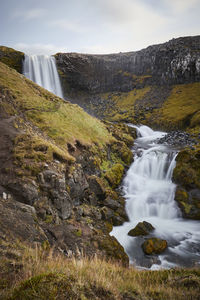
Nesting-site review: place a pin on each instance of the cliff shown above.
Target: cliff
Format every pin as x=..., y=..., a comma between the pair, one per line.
x=174, y=62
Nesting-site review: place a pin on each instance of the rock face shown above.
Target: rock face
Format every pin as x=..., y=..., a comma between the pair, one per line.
x=154, y=246
x=177, y=61
x=187, y=177
x=142, y=228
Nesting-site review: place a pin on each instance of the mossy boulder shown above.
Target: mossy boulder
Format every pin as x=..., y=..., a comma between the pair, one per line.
x=12, y=58
x=114, y=175
x=112, y=248
x=189, y=202
x=142, y=228
x=154, y=246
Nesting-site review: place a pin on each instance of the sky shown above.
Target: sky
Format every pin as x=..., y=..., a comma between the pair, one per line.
x=94, y=26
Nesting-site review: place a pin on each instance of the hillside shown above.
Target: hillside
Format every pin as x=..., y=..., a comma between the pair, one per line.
x=56, y=175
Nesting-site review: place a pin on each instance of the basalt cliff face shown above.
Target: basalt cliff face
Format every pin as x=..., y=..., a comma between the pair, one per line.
x=174, y=62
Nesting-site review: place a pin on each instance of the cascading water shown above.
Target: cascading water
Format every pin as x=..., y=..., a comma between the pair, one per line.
x=149, y=194
x=42, y=70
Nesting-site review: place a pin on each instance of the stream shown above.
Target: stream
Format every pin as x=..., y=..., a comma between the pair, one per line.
x=149, y=193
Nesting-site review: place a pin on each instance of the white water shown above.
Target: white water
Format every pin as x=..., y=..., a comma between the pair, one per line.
x=42, y=70
x=149, y=194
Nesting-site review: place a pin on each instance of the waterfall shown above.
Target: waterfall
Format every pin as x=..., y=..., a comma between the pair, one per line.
x=149, y=193
x=42, y=70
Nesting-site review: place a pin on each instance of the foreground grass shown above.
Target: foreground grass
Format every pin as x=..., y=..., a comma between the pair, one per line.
x=47, y=275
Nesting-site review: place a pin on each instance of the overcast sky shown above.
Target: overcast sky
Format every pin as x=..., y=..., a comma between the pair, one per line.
x=95, y=26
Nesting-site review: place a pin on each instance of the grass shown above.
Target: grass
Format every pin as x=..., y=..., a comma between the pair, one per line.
x=123, y=104
x=49, y=275
x=11, y=57
x=183, y=105
x=60, y=120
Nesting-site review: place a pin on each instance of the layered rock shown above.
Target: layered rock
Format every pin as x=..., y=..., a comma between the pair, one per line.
x=174, y=62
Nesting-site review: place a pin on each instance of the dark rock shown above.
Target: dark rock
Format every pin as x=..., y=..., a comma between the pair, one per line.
x=97, y=187
x=142, y=228
x=174, y=62
x=24, y=192
x=78, y=186
x=62, y=202
x=154, y=246
x=113, y=204
x=106, y=213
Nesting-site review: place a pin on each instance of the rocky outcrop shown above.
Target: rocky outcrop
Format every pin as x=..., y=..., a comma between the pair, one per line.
x=174, y=62
x=142, y=228
x=53, y=176
x=187, y=177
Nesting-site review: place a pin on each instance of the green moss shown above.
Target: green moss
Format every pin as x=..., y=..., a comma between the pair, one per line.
x=154, y=246
x=182, y=106
x=113, y=249
x=78, y=232
x=114, y=175
x=61, y=121
x=187, y=207
x=45, y=286
x=49, y=219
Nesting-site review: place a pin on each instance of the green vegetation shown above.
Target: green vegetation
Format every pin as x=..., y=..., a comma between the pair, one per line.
x=12, y=58
x=114, y=175
x=183, y=105
x=123, y=104
x=49, y=275
x=61, y=121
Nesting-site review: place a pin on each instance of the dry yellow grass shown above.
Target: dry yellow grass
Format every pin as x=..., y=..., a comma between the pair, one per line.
x=47, y=275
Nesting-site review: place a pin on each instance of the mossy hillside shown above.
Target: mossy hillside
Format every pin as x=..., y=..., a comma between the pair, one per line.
x=183, y=105
x=123, y=104
x=58, y=119
x=49, y=275
x=12, y=58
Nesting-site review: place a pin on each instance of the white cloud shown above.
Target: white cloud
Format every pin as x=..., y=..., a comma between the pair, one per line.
x=30, y=14
x=67, y=25
x=180, y=6
x=47, y=49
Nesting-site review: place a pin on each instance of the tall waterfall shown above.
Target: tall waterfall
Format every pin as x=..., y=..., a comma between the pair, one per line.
x=149, y=193
x=42, y=70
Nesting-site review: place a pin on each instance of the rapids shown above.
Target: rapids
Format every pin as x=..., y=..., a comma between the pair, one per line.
x=149, y=193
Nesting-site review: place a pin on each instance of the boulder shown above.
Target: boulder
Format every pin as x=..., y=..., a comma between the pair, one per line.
x=154, y=246
x=113, y=204
x=97, y=187
x=142, y=228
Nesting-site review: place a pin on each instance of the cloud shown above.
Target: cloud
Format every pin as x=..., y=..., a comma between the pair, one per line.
x=133, y=18
x=31, y=14
x=38, y=48
x=67, y=25
x=180, y=6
